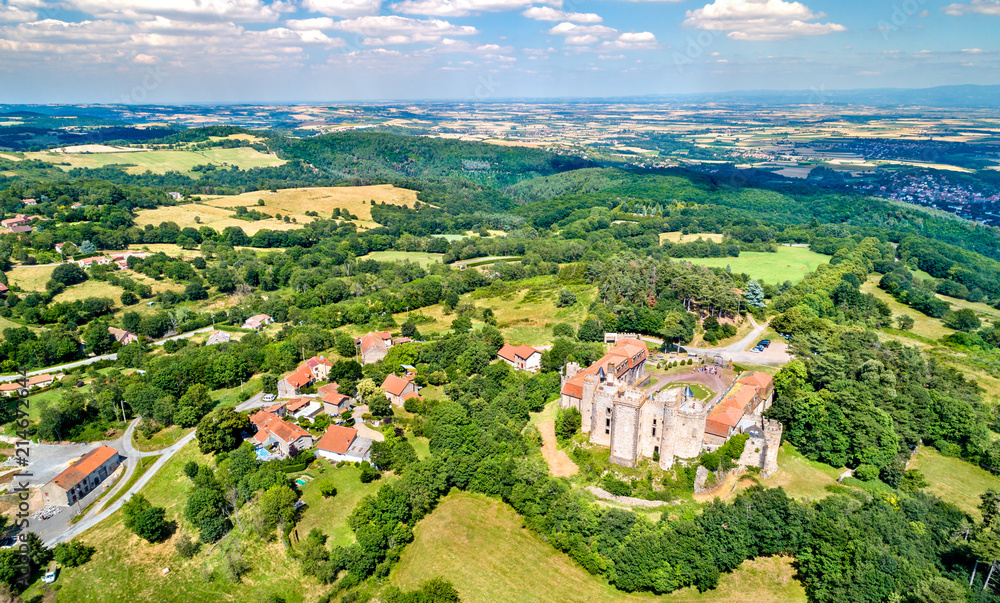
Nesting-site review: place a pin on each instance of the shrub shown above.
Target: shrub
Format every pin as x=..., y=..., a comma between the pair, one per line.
x=72, y=554
x=563, y=329
x=186, y=546
x=369, y=475
x=191, y=469
x=328, y=490
x=866, y=473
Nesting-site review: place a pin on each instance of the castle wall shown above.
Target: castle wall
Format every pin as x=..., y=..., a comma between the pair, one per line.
x=624, y=425
x=690, y=430
x=601, y=410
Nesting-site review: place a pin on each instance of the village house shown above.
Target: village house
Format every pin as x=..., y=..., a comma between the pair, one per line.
x=274, y=433
x=82, y=477
x=257, y=321
x=18, y=220
x=20, y=229
x=398, y=388
x=304, y=408
x=334, y=402
x=521, y=357
x=218, y=337
x=122, y=336
x=373, y=346
x=97, y=260
x=343, y=444
x=29, y=202
x=309, y=372
x=175, y=195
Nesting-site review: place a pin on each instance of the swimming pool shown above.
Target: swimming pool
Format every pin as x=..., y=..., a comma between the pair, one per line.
x=262, y=453
x=301, y=481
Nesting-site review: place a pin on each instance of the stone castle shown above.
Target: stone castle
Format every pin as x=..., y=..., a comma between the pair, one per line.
x=668, y=424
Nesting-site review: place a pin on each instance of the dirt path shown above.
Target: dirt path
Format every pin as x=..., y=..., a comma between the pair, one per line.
x=559, y=463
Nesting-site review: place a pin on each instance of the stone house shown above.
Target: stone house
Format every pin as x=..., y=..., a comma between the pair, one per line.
x=82, y=477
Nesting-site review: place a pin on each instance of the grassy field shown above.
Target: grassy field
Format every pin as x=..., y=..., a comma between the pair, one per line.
x=30, y=278
x=160, y=440
x=679, y=237
x=323, y=200
x=800, y=477
x=330, y=514
x=421, y=258
x=140, y=470
x=214, y=217
x=954, y=480
x=787, y=264
x=479, y=545
x=922, y=324
x=161, y=161
x=90, y=288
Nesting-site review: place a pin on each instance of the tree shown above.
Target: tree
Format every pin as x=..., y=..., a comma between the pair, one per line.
x=145, y=520
x=193, y=405
x=566, y=298
x=72, y=553
x=380, y=407
x=344, y=344
x=590, y=330
x=68, y=274
x=462, y=324
x=567, y=423
x=87, y=247
x=194, y=292
x=563, y=329
x=128, y=298
x=409, y=329
x=962, y=320
x=277, y=505
x=219, y=430
x=755, y=294
x=904, y=322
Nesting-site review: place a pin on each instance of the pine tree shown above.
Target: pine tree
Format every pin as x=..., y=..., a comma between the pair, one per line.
x=755, y=294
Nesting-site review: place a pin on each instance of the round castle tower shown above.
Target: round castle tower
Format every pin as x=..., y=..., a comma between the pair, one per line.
x=684, y=433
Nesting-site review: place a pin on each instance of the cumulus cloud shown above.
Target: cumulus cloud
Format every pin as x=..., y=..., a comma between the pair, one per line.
x=642, y=40
x=976, y=7
x=343, y=8
x=393, y=29
x=547, y=13
x=305, y=24
x=229, y=10
x=15, y=14
x=461, y=8
x=760, y=20
x=579, y=35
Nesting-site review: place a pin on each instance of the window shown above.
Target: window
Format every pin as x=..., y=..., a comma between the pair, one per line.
x=654, y=431
x=654, y=421
x=656, y=449
x=607, y=431
x=607, y=422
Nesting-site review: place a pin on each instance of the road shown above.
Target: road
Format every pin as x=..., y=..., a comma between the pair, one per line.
x=55, y=369
x=737, y=352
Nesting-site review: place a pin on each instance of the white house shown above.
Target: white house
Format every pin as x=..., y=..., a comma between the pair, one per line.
x=521, y=357
x=343, y=444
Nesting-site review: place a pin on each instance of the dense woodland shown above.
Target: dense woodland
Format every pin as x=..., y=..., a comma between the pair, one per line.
x=849, y=399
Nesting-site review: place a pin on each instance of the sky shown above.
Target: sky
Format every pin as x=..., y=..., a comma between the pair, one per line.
x=286, y=51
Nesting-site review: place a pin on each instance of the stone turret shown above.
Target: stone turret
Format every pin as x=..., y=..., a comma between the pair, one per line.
x=690, y=438
x=772, y=438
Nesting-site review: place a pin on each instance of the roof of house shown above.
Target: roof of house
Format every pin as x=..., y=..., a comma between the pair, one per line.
x=728, y=412
x=626, y=355
x=274, y=408
x=758, y=379
x=280, y=429
x=395, y=385
x=296, y=403
x=219, y=336
x=329, y=388
x=300, y=378
x=3, y=287
x=337, y=439
x=10, y=386
x=513, y=352
x=121, y=335
x=43, y=378
x=372, y=341
x=409, y=395
x=87, y=464
x=317, y=361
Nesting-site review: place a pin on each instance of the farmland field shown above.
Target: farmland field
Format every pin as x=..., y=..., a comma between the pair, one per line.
x=679, y=237
x=787, y=264
x=197, y=215
x=30, y=278
x=422, y=258
x=161, y=162
x=478, y=544
x=295, y=202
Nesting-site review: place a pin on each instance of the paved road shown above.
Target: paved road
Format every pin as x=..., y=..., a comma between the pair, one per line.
x=256, y=401
x=737, y=352
x=55, y=369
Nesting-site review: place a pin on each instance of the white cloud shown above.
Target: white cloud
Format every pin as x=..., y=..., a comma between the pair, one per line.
x=579, y=35
x=394, y=30
x=343, y=8
x=14, y=14
x=229, y=10
x=547, y=13
x=976, y=7
x=303, y=24
x=973, y=50
x=461, y=8
x=758, y=20
x=642, y=40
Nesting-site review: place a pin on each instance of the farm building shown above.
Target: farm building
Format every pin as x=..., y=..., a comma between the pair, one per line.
x=82, y=477
x=397, y=388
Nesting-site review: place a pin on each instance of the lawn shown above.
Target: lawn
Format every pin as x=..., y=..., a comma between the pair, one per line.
x=30, y=278
x=160, y=440
x=954, y=480
x=330, y=514
x=421, y=258
x=787, y=264
x=478, y=544
x=140, y=470
x=128, y=569
x=323, y=200
x=162, y=161
x=700, y=391
x=800, y=477
x=90, y=288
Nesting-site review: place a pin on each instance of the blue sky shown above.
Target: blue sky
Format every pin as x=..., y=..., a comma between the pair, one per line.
x=177, y=51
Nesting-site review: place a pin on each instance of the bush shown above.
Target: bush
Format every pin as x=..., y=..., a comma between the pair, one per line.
x=866, y=473
x=72, y=554
x=369, y=475
x=616, y=486
x=191, y=469
x=567, y=423
x=566, y=298
x=328, y=490
x=145, y=520
x=563, y=330
x=186, y=546
x=128, y=298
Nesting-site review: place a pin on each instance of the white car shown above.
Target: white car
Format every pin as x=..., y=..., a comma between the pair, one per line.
x=268, y=397
x=50, y=577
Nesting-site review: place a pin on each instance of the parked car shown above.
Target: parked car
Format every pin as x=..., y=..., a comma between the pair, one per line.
x=8, y=542
x=269, y=397
x=757, y=349
x=51, y=576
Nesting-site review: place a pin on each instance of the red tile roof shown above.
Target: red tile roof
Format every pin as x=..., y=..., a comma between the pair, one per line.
x=300, y=378
x=371, y=341
x=318, y=360
x=297, y=403
x=87, y=464
x=337, y=439
x=329, y=388
x=395, y=385
x=626, y=355
x=284, y=431
x=512, y=353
